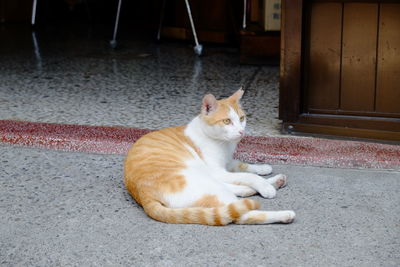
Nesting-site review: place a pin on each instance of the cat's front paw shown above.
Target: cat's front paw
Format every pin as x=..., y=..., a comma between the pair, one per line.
x=246, y=192
x=267, y=190
x=262, y=169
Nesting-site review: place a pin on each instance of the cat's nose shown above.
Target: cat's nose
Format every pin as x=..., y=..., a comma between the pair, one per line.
x=241, y=133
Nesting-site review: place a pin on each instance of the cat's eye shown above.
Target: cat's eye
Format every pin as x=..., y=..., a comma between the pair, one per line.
x=226, y=121
x=242, y=118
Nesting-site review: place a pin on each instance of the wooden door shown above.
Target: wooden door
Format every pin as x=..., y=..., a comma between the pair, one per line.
x=349, y=69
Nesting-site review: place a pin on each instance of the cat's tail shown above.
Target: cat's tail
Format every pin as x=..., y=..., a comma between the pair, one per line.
x=222, y=215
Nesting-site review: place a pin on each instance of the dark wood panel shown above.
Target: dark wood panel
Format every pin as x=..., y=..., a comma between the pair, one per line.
x=341, y=131
x=359, y=56
x=259, y=49
x=350, y=126
x=291, y=55
x=388, y=72
x=324, y=55
x=347, y=121
x=354, y=113
x=214, y=18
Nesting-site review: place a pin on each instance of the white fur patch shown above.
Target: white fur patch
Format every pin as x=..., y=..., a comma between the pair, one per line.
x=199, y=182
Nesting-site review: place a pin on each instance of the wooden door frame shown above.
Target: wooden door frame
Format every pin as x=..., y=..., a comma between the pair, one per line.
x=292, y=85
x=291, y=60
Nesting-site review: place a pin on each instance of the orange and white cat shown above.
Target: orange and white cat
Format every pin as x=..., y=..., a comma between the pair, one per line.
x=187, y=174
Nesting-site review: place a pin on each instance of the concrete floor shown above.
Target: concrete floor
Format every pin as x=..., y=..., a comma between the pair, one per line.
x=71, y=209
x=75, y=78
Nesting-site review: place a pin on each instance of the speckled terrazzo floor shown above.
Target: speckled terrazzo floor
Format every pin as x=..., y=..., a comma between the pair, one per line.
x=77, y=79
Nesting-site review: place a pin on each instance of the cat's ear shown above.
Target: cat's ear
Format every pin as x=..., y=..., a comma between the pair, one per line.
x=209, y=104
x=237, y=95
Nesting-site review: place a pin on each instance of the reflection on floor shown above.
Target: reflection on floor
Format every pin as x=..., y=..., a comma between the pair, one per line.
x=75, y=78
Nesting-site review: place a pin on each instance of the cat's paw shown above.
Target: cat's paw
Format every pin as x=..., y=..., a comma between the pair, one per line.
x=288, y=216
x=247, y=192
x=267, y=190
x=278, y=181
x=242, y=190
x=261, y=169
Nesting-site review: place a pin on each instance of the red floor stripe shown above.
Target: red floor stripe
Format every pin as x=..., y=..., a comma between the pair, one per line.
x=275, y=150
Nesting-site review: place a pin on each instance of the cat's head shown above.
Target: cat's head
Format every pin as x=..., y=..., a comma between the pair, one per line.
x=223, y=119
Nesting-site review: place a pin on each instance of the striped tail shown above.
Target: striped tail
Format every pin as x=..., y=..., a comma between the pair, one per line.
x=222, y=215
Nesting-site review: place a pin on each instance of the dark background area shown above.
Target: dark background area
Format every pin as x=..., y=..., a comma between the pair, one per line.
x=222, y=16
x=217, y=22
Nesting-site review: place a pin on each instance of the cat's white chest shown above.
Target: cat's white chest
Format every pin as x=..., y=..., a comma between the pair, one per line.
x=215, y=153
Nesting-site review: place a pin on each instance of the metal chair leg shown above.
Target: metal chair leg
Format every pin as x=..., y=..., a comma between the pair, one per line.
x=36, y=48
x=113, y=42
x=33, y=21
x=244, y=14
x=161, y=20
x=198, y=49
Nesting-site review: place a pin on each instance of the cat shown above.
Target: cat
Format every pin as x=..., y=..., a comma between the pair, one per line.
x=187, y=174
